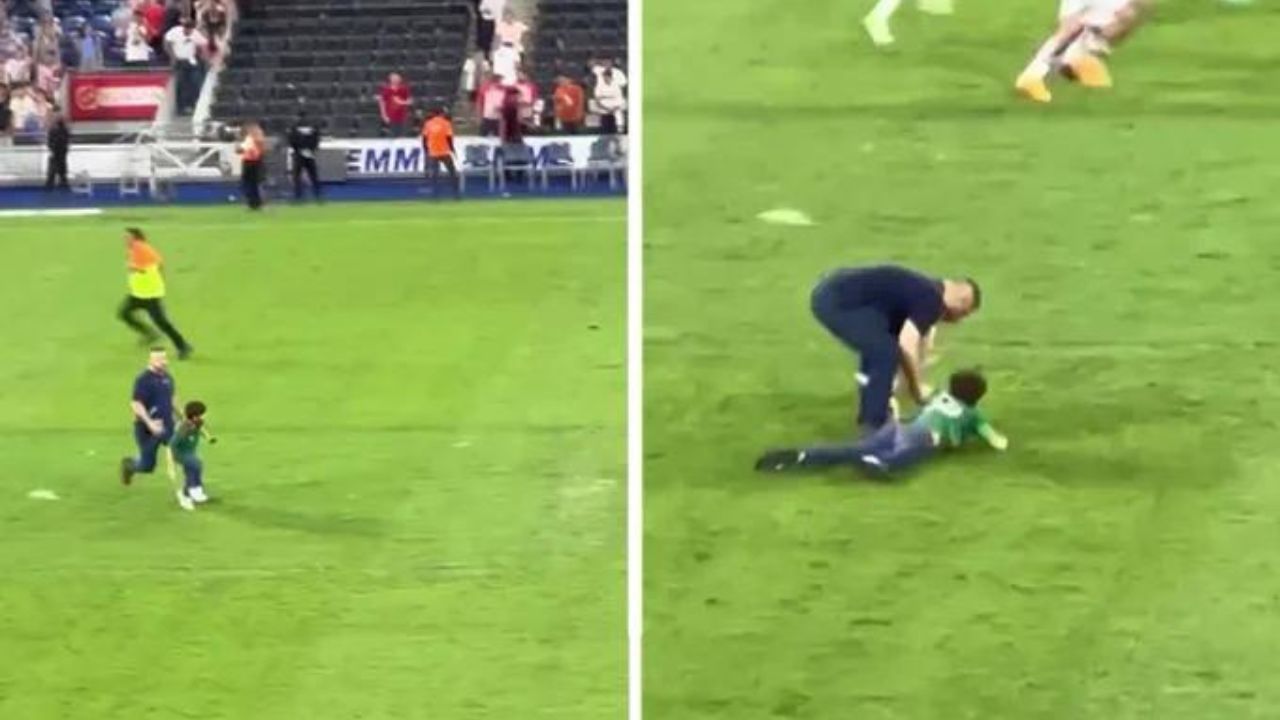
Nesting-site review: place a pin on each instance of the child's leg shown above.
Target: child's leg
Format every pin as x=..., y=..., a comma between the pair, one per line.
x=912, y=445
x=880, y=441
x=192, y=471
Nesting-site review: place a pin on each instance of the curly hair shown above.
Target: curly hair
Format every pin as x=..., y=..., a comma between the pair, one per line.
x=968, y=386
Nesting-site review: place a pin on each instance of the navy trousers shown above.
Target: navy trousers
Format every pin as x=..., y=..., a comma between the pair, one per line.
x=148, y=447
x=864, y=330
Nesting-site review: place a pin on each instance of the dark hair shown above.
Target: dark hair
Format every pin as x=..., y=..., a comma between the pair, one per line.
x=967, y=386
x=194, y=409
x=158, y=348
x=135, y=233
x=977, y=292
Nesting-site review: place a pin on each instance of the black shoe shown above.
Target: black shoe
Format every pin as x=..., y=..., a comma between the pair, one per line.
x=185, y=352
x=776, y=460
x=126, y=471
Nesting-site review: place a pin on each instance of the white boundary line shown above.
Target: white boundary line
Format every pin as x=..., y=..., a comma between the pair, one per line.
x=51, y=212
x=635, y=366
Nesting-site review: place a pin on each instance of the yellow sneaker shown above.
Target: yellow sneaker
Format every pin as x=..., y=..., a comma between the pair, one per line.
x=1090, y=71
x=1034, y=88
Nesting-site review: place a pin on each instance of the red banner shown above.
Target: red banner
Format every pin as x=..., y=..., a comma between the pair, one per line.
x=117, y=96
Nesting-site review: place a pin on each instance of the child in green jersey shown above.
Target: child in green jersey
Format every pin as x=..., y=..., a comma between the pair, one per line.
x=946, y=420
x=182, y=451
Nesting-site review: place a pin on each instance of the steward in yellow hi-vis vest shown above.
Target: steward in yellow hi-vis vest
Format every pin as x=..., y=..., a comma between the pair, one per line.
x=146, y=292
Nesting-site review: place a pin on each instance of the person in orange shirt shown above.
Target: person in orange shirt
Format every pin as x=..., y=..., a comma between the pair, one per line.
x=571, y=105
x=253, y=145
x=437, y=144
x=146, y=292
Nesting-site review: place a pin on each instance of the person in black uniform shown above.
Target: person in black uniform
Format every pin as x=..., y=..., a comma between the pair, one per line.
x=59, y=142
x=304, y=143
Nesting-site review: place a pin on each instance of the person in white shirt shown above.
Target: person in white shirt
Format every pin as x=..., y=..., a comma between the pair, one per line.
x=136, y=47
x=610, y=97
x=487, y=14
x=506, y=64
x=512, y=30
x=185, y=44
x=17, y=69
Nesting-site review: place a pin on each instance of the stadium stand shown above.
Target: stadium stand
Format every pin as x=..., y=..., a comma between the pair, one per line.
x=330, y=56
x=570, y=34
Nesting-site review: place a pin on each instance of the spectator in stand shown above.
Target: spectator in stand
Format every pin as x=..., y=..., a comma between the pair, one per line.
x=395, y=101
x=474, y=71
x=48, y=77
x=175, y=13
x=45, y=45
x=610, y=96
x=121, y=18
x=506, y=64
x=6, y=116
x=137, y=49
x=213, y=23
x=88, y=49
x=489, y=105
x=511, y=131
x=59, y=144
x=487, y=14
x=511, y=30
x=10, y=41
x=17, y=69
x=571, y=105
x=528, y=99
x=28, y=113
x=185, y=47
x=153, y=17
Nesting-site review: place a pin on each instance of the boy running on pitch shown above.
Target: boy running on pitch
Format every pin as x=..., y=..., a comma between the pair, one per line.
x=182, y=451
x=946, y=421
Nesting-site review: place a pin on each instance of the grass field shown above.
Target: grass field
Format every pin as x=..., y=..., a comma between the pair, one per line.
x=420, y=476
x=1120, y=561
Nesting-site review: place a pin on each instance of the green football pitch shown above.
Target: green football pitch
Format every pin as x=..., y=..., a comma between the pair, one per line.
x=419, y=482
x=1120, y=561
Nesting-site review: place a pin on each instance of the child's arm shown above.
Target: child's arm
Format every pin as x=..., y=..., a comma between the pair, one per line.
x=993, y=436
x=173, y=471
x=204, y=432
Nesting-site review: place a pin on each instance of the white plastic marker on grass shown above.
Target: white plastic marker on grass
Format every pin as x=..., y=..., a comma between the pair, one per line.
x=786, y=216
x=42, y=494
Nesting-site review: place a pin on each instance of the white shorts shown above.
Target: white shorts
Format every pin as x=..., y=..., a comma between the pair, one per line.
x=1095, y=12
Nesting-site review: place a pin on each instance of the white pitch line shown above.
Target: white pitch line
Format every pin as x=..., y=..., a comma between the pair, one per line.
x=509, y=221
x=52, y=212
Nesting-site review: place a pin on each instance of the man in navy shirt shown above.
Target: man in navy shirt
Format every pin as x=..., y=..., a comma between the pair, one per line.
x=153, y=410
x=885, y=313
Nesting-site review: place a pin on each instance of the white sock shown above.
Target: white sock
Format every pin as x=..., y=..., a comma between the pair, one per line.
x=1043, y=61
x=885, y=9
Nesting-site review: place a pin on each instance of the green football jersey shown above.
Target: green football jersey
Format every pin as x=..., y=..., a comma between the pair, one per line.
x=186, y=439
x=948, y=418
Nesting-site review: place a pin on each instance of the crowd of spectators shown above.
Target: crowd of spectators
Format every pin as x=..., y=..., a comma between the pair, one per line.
x=35, y=53
x=507, y=102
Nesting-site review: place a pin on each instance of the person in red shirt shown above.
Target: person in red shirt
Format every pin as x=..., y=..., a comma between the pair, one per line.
x=153, y=15
x=512, y=127
x=394, y=102
x=489, y=97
